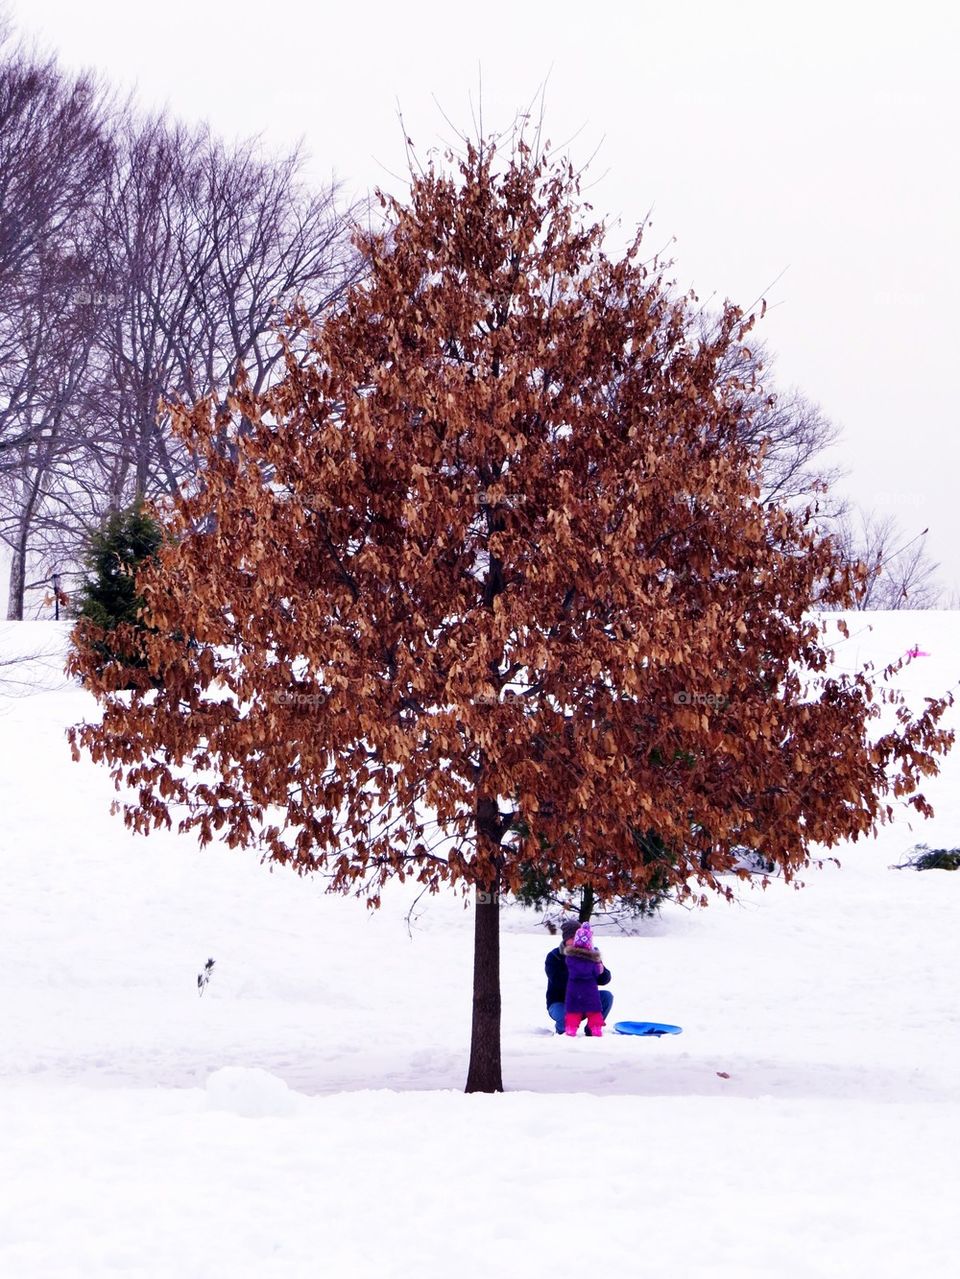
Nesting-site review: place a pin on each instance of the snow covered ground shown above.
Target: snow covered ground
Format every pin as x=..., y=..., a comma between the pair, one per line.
x=302, y=1118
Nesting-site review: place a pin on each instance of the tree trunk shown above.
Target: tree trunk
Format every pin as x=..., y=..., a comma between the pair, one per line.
x=18, y=581
x=484, y=1074
x=587, y=903
x=29, y=492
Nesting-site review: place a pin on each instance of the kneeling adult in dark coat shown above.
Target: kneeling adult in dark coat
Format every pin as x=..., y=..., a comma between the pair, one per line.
x=556, y=969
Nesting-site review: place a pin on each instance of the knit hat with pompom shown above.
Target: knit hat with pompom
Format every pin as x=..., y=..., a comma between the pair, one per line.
x=584, y=938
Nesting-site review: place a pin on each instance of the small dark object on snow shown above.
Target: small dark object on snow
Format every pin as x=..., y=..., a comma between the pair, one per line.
x=925, y=858
x=204, y=977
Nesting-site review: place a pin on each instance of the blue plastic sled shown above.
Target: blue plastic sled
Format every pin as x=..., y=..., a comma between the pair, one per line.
x=646, y=1028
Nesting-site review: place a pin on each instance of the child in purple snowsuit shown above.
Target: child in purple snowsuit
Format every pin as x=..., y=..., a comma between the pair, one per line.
x=584, y=966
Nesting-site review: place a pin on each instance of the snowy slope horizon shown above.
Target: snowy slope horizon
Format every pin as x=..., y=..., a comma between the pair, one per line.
x=306, y=1112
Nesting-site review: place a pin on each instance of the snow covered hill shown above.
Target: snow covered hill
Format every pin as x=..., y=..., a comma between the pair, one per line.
x=304, y=1117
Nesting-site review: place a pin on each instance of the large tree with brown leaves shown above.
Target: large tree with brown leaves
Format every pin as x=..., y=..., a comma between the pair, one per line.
x=447, y=604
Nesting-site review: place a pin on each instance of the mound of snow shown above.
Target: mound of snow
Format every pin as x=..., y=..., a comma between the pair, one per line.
x=249, y=1091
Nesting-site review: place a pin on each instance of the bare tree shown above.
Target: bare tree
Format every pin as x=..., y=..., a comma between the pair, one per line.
x=142, y=263
x=796, y=430
x=53, y=147
x=265, y=241
x=52, y=151
x=899, y=573
x=150, y=302
x=209, y=247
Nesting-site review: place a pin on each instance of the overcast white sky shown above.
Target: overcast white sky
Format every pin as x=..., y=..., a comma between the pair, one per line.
x=806, y=143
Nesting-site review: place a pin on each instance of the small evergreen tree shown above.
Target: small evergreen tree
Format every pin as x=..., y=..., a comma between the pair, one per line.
x=108, y=606
x=542, y=884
